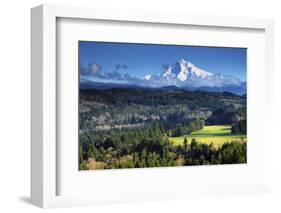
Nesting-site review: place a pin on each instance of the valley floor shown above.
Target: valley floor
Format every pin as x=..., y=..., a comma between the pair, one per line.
x=217, y=135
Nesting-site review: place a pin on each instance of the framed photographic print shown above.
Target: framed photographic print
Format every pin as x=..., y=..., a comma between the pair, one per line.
x=174, y=115
x=126, y=102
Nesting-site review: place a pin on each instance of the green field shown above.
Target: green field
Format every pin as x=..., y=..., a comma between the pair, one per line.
x=217, y=135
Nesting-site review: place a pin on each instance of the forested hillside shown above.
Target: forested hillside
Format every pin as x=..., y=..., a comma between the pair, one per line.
x=130, y=127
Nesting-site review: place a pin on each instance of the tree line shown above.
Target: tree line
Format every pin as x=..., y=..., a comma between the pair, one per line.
x=152, y=148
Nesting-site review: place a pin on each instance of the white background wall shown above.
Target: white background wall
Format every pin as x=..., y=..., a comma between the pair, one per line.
x=15, y=104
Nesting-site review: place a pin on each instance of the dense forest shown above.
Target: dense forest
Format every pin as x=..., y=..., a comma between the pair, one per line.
x=130, y=127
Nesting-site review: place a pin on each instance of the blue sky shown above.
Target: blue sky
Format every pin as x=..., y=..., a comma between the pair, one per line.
x=141, y=59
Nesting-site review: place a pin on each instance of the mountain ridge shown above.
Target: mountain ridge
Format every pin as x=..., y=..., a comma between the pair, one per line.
x=182, y=70
x=182, y=74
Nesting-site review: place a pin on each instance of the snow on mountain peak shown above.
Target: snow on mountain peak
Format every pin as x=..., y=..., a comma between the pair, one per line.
x=182, y=74
x=183, y=70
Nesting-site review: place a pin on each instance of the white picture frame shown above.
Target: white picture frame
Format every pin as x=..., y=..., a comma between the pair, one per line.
x=44, y=149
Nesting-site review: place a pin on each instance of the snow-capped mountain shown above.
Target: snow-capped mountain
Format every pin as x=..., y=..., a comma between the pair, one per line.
x=181, y=74
x=184, y=74
x=183, y=70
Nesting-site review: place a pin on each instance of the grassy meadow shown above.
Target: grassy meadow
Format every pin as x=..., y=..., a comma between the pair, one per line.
x=216, y=134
